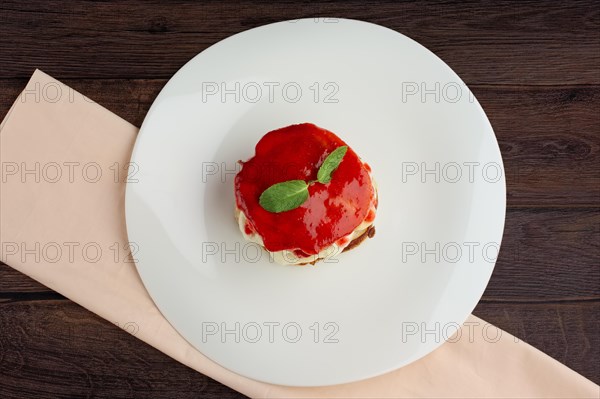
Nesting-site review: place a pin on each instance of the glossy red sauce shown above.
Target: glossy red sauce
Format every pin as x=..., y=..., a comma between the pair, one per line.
x=332, y=211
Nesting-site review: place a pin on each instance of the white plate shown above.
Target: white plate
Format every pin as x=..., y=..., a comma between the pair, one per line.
x=403, y=111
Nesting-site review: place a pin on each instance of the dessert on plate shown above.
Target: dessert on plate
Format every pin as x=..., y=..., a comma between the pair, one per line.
x=305, y=195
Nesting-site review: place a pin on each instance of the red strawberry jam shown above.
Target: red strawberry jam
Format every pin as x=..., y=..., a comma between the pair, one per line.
x=332, y=211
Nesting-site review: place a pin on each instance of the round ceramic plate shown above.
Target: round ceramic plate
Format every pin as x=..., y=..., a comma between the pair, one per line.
x=381, y=306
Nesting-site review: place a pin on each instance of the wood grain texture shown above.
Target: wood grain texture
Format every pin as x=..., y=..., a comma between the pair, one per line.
x=492, y=42
x=56, y=349
x=548, y=254
x=533, y=66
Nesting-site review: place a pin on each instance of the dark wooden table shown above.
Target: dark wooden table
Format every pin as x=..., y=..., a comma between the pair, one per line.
x=535, y=68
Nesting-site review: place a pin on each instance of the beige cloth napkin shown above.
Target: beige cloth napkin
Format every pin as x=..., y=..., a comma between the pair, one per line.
x=61, y=224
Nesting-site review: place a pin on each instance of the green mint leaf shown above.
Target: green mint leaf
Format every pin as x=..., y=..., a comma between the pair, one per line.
x=330, y=164
x=284, y=196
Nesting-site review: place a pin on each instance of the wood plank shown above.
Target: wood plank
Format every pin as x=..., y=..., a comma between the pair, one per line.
x=550, y=143
x=59, y=349
x=498, y=42
x=13, y=282
x=546, y=255
x=549, y=137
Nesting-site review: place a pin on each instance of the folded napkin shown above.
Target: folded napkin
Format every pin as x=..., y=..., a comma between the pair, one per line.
x=62, y=206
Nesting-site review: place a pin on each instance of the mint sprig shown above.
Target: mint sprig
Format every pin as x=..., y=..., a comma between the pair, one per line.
x=284, y=196
x=288, y=195
x=330, y=164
